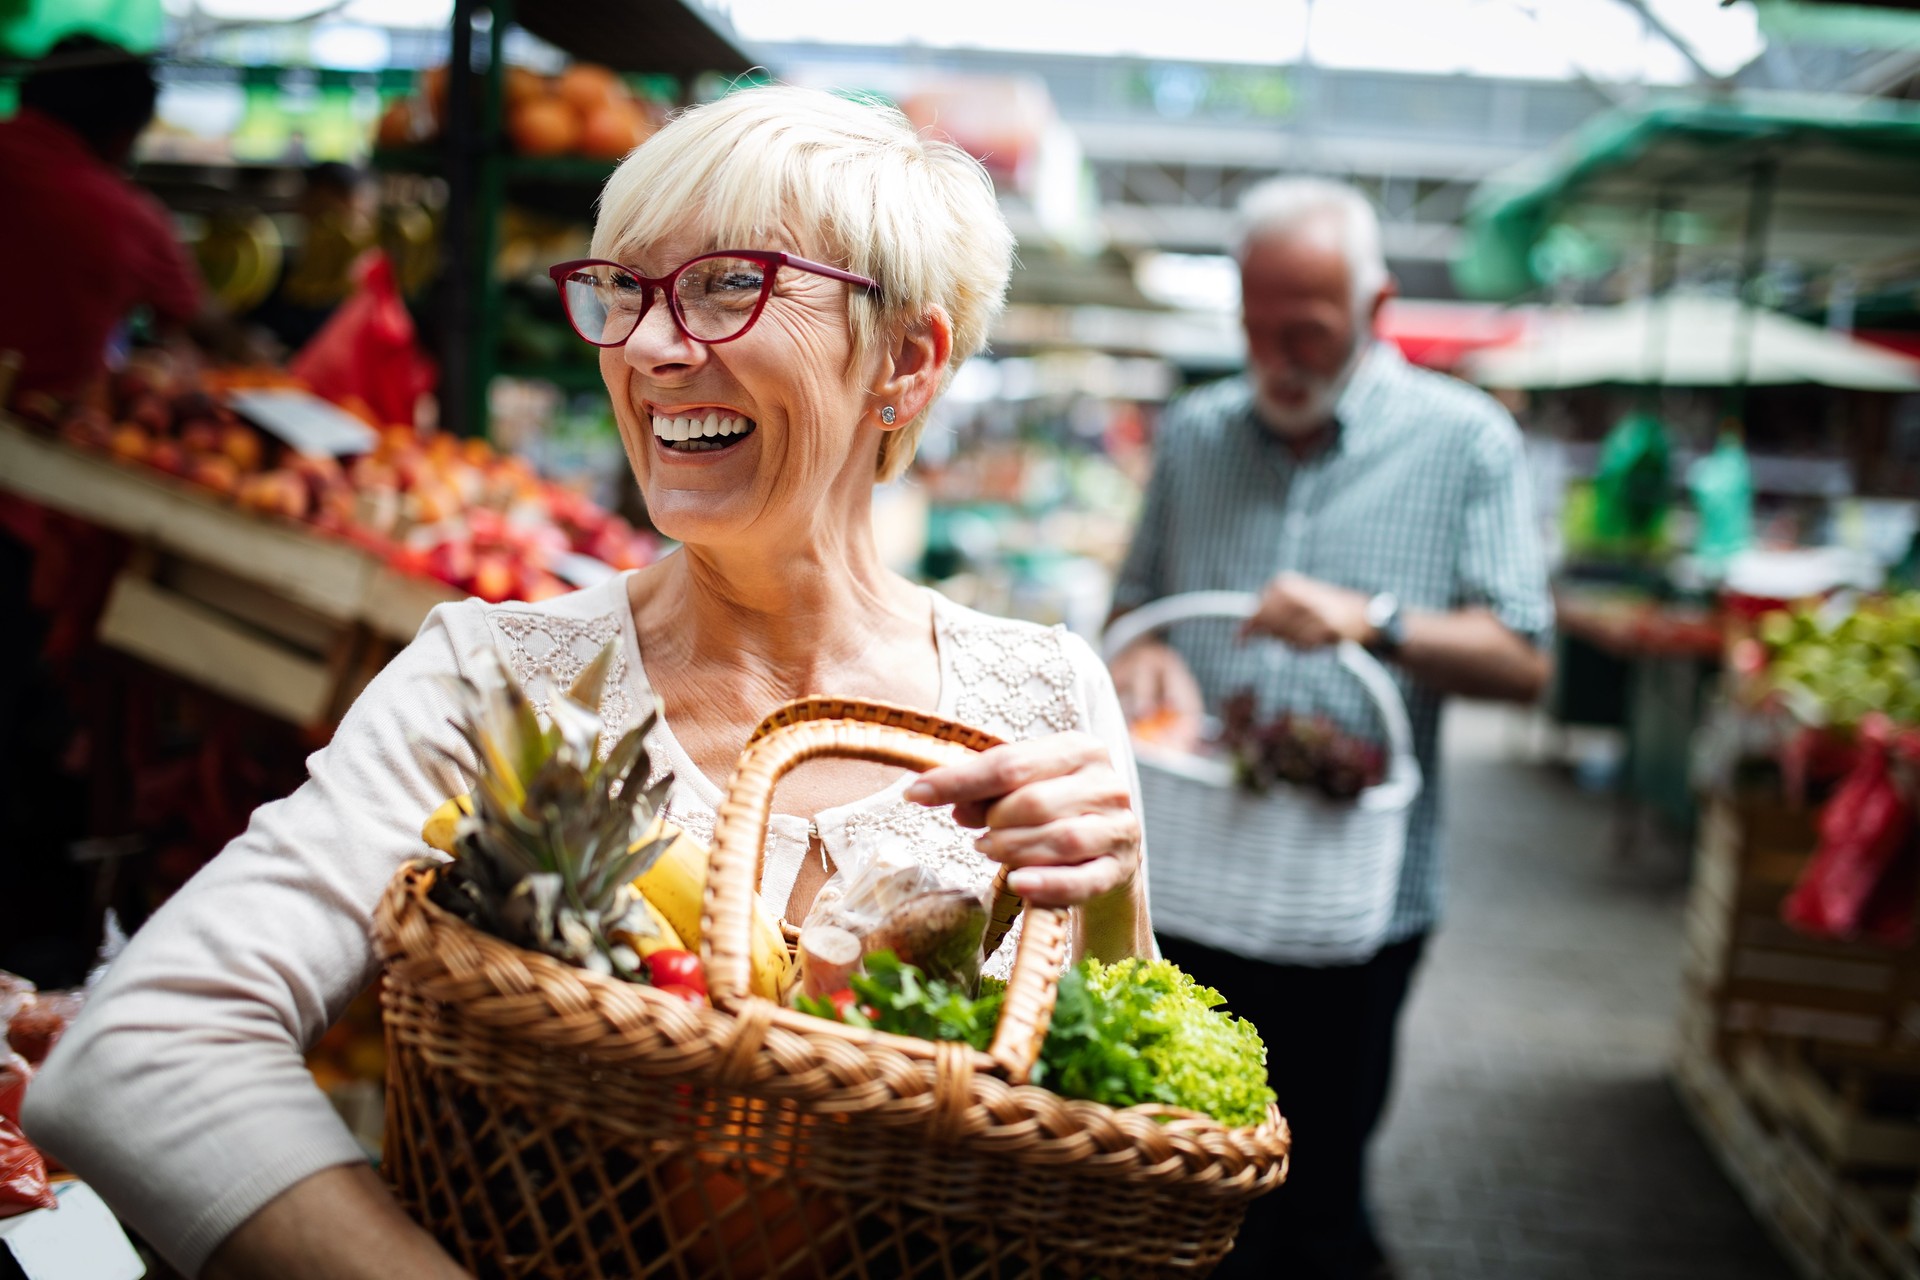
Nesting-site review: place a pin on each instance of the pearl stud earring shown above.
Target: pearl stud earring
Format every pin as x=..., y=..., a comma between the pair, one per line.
x=886, y=414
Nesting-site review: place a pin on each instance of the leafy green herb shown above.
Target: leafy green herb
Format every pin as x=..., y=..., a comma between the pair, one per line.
x=1139, y=1031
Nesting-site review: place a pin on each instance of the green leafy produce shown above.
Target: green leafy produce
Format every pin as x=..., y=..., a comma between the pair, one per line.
x=1139, y=1031
x=1835, y=670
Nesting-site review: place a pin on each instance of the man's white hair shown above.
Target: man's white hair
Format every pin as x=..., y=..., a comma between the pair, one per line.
x=1279, y=206
x=915, y=213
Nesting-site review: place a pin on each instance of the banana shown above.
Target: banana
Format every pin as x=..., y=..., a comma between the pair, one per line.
x=674, y=885
x=443, y=824
x=664, y=937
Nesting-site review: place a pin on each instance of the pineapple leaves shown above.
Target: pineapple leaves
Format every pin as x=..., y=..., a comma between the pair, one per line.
x=557, y=834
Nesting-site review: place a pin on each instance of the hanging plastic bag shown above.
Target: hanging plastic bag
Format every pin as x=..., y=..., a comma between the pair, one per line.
x=1633, y=485
x=367, y=350
x=23, y=1174
x=1861, y=880
x=1722, y=486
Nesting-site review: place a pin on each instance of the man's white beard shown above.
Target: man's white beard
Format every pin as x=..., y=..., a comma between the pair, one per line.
x=1323, y=394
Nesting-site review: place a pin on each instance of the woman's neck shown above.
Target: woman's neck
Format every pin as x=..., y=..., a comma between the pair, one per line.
x=790, y=617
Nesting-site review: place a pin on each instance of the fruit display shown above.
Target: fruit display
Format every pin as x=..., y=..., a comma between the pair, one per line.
x=240, y=256
x=587, y=110
x=1306, y=750
x=431, y=505
x=562, y=852
x=1833, y=669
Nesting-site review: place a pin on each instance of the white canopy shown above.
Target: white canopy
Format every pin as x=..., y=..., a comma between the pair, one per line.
x=1687, y=342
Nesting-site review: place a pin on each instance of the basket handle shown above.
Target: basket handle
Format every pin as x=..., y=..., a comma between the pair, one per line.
x=1160, y=614
x=885, y=735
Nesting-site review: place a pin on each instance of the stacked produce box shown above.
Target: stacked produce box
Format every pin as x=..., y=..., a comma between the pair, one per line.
x=1800, y=1038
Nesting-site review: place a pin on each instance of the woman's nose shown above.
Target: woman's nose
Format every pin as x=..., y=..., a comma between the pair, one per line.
x=659, y=345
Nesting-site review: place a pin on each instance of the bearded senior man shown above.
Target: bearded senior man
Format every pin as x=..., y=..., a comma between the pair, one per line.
x=1362, y=499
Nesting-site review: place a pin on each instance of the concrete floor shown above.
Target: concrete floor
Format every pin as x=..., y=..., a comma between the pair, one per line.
x=1534, y=1134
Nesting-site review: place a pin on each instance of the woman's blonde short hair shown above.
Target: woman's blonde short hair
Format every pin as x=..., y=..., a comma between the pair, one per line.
x=915, y=214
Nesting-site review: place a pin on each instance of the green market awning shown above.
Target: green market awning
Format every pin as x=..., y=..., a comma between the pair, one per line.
x=1845, y=187
x=28, y=28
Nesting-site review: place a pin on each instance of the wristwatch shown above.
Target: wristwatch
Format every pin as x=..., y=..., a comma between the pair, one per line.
x=1388, y=623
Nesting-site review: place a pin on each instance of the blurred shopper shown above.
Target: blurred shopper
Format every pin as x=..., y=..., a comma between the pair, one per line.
x=81, y=247
x=1366, y=500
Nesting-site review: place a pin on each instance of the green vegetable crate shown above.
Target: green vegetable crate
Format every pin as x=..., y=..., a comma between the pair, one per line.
x=546, y=1121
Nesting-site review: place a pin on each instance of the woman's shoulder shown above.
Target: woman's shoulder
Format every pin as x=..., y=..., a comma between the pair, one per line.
x=546, y=644
x=1015, y=678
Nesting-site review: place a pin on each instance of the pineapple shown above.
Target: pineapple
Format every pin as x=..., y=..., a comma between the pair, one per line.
x=556, y=836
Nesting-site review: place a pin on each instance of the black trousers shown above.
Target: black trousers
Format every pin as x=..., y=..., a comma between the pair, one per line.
x=1330, y=1036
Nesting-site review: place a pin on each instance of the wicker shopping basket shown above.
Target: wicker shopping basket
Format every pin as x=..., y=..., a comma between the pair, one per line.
x=543, y=1120
x=1288, y=876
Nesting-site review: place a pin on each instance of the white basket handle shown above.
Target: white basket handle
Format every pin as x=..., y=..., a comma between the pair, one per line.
x=1241, y=605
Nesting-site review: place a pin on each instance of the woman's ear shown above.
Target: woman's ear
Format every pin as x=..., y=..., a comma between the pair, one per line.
x=916, y=361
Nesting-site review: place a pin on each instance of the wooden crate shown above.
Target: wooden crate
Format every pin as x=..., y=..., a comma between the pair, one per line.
x=1760, y=977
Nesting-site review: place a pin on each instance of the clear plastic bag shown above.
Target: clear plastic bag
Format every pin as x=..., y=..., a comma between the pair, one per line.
x=894, y=904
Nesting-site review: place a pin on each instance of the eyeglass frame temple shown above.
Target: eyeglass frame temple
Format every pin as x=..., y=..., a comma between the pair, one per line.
x=559, y=272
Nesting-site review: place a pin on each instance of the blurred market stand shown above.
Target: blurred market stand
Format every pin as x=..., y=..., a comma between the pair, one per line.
x=1701, y=297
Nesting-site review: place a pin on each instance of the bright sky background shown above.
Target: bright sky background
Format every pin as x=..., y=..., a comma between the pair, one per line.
x=1545, y=39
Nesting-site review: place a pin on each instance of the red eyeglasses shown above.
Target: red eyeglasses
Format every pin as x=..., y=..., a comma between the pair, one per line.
x=715, y=297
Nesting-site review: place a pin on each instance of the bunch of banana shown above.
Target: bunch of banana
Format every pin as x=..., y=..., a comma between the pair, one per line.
x=671, y=888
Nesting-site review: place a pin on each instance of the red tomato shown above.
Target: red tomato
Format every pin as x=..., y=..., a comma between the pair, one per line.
x=676, y=968
x=682, y=992
x=844, y=1000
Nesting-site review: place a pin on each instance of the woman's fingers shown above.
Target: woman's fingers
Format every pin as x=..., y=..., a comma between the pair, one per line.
x=1058, y=814
x=1093, y=790
x=1005, y=769
x=1067, y=886
x=1066, y=842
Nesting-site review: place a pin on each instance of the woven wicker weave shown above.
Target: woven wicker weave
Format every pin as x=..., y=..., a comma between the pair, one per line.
x=1288, y=876
x=545, y=1121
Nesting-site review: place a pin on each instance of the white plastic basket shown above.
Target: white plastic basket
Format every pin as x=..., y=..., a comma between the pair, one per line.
x=1290, y=876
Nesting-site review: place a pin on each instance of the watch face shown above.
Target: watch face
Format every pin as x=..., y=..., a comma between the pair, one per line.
x=1382, y=610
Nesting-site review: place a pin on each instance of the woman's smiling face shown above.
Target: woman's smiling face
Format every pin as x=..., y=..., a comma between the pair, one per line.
x=791, y=418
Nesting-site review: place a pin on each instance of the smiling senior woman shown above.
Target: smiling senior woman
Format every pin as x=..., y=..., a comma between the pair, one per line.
x=760, y=394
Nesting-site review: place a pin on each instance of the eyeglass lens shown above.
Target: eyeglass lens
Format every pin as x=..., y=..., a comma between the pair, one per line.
x=715, y=297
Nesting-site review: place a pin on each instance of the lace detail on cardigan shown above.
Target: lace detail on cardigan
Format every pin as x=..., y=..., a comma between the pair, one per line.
x=547, y=653
x=1015, y=681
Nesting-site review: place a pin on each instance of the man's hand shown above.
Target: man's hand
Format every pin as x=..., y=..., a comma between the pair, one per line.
x=1154, y=683
x=1309, y=614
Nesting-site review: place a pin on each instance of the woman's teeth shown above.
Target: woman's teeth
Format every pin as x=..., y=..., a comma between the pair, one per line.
x=700, y=434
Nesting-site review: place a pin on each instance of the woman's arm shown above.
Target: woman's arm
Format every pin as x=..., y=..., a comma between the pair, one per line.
x=338, y=1224
x=181, y=1092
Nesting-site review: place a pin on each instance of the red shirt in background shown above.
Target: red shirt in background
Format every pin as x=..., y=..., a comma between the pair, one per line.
x=80, y=247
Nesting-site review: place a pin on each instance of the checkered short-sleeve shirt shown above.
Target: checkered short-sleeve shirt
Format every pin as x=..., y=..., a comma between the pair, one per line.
x=1422, y=492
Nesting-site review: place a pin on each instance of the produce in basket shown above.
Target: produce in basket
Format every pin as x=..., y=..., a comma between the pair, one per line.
x=1138, y=1031
x=564, y=853
x=900, y=905
x=548, y=856
x=1305, y=750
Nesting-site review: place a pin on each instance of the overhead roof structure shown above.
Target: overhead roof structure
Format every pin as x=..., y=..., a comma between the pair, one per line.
x=1687, y=342
x=1843, y=175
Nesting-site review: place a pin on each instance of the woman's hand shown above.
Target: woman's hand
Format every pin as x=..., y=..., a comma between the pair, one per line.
x=1058, y=815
